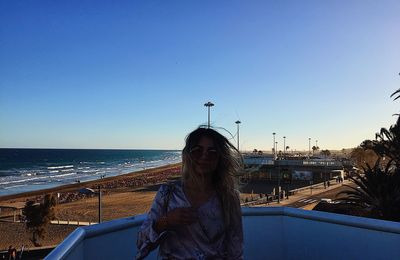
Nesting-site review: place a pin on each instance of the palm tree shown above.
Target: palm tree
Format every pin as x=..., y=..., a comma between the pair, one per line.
x=397, y=92
x=386, y=143
x=378, y=192
x=314, y=149
x=326, y=153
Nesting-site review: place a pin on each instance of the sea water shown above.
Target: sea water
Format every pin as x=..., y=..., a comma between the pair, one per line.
x=24, y=170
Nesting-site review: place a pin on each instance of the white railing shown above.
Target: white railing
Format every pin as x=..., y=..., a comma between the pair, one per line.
x=269, y=233
x=72, y=222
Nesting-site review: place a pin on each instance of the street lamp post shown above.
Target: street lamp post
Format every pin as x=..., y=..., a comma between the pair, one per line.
x=279, y=178
x=279, y=184
x=309, y=155
x=209, y=105
x=284, y=146
x=237, y=123
x=98, y=193
x=273, y=134
x=325, y=166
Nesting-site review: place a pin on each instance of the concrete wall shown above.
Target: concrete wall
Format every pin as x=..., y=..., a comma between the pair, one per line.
x=270, y=233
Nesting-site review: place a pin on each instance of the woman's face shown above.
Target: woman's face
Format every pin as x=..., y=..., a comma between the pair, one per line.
x=205, y=156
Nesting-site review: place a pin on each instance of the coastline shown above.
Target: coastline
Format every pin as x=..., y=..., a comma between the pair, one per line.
x=123, y=196
x=76, y=186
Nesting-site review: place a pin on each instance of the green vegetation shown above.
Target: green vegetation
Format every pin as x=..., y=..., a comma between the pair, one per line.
x=378, y=191
x=362, y=157
x=386, y=144
x=38, y=216
x=314, y=149
x=326, y=153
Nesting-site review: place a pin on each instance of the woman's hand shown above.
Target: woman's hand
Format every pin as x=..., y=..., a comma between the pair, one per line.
x=182, y=216
x=176, y=217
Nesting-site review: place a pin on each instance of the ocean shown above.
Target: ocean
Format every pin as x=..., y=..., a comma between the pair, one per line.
x=23, y=170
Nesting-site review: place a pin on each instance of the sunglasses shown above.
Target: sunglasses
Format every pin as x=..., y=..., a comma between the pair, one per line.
x=197, y=152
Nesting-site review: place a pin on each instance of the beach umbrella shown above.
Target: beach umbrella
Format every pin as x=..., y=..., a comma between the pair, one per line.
x=87, y=191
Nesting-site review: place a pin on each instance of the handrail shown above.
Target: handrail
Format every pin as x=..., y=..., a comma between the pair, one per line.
x=73, y=245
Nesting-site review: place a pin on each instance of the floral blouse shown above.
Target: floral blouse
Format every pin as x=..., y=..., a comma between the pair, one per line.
x=205, y=239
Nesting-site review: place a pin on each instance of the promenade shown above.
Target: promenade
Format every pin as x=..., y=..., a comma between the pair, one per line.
x=305, y=198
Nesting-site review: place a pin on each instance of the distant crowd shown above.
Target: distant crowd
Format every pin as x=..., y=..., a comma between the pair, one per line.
x=141, y=180
x=127, y=182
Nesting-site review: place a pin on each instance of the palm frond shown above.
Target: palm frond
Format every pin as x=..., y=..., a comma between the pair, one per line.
x=377, y=191
x=397, y=92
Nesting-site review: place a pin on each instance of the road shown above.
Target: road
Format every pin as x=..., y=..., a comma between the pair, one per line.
x=306, y=199
x=315, y=198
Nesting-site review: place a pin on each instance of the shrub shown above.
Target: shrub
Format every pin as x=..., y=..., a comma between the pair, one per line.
x=38, y=216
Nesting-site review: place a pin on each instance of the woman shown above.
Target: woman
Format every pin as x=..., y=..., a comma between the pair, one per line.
x=199, y=217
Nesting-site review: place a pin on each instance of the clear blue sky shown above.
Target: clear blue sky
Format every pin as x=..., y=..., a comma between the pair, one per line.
x=135, y=74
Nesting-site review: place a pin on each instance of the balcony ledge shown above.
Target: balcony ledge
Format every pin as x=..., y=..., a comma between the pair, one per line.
x=269, y=232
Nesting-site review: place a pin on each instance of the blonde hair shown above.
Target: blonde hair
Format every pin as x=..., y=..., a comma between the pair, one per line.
x=230, y=163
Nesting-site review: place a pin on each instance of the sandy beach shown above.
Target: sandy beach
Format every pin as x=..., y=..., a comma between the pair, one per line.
x=122, y=196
